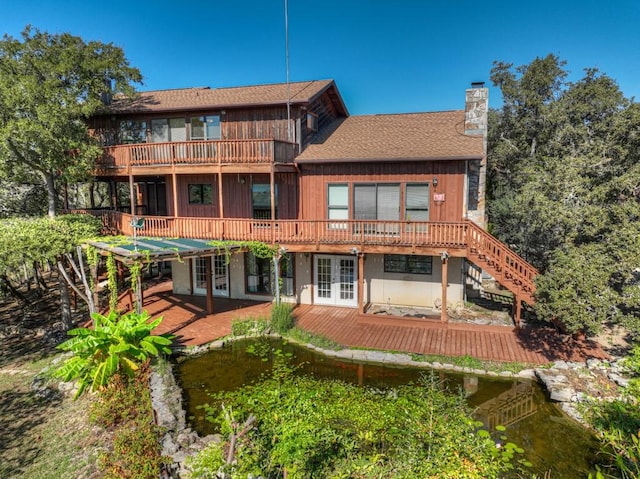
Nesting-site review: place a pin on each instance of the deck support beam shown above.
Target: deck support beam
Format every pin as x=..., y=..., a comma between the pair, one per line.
x=220, y=203
x=174, y=185
x=444, y=256
x=361, y=283
x=132, y=195
x=517, y=310
x=209, y=281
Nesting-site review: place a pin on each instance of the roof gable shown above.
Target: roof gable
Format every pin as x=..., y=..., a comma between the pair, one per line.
x=200, y=98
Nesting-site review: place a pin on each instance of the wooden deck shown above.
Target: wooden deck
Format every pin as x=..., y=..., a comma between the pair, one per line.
x=185, y=316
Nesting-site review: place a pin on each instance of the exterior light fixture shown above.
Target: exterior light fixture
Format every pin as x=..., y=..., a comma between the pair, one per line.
x=434, y=181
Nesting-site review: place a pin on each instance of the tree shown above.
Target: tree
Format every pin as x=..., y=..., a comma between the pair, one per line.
x=49, y=86
x=564, y=189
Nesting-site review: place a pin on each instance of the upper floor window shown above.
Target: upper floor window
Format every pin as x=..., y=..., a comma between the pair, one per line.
x=205, y=128
x=168, y=129
x=376, y=202
x=312, y=121
x=261, y=201
x=200, y=194
x=133, y=131
x=338, y=204
x=416, y=202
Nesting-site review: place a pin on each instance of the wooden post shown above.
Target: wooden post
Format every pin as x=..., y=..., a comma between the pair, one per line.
x=132, y=195
x=92, y=198
x=209, y=277
x=174, y=183
x=361, y=283
x=517, y=310
x=272, y=187
x=220, y=207
x=113, y=195
x=445, y=280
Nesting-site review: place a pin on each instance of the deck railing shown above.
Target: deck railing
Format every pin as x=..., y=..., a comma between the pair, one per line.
x=196, y=153
x=509, y=269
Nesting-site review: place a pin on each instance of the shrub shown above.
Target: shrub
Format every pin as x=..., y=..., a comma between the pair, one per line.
x=115, y=344
x=249, y=326
x=282, y=319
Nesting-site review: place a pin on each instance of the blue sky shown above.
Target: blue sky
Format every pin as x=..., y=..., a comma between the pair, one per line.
x=389, y=56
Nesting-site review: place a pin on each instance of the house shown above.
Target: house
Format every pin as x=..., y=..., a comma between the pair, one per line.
x=366, y=210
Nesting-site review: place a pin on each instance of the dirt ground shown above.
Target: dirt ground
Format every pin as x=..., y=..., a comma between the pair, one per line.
x=43, y=433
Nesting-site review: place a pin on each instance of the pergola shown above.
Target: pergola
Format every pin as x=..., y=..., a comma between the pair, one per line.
x=130, y=250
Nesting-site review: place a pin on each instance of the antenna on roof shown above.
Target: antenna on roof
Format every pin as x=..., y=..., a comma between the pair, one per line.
x=286, y=48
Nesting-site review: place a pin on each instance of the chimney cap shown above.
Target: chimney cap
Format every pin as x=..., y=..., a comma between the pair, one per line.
x=477, y=84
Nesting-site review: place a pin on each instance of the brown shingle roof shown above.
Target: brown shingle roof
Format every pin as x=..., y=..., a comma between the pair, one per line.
x=205, y=97
x=410, y=136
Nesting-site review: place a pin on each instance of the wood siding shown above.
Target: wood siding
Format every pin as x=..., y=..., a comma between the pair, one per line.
x=314, y=179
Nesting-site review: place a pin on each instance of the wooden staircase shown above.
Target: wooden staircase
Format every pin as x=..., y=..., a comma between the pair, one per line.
x=497, y=259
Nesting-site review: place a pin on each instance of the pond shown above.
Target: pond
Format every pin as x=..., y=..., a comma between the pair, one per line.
x=552, y=441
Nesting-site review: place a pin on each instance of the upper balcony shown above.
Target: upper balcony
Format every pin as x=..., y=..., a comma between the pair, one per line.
x=196, y=156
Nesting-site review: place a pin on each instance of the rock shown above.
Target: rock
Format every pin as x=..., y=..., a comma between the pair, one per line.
x=560, y=365
x=562, y=394
x=619, y=380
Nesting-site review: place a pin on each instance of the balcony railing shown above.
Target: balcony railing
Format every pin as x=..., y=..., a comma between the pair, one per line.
x=476, y=244
x=196, y=153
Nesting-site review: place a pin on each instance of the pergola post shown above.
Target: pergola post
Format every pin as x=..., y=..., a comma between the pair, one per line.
x=209, y=275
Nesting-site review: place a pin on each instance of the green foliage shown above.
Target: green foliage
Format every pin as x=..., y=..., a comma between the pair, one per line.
x=125, y=407
x=305, y=337
x=311, y=428
x=249, y=327
x=42, y=240
x=563, y=172
x=49, y=86
x=115, y=344
x=112, y=281
x=282, y=319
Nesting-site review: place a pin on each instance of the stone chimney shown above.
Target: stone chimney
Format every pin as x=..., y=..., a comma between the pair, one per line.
x=476, y=124
x=475, y=109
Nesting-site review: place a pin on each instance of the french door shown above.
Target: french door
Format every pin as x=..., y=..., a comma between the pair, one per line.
x=335, y=280
x=220, y=276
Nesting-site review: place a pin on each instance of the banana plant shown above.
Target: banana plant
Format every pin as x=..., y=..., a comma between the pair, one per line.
x=115, y=344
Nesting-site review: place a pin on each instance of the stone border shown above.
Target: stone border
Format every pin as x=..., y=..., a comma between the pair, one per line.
x=181, y=441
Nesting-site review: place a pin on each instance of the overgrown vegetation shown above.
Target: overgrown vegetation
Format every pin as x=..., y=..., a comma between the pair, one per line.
x=473, y=363
x=282, y=319
x=249, y=327
x=563, y=179
x=124, y=407
x=298, y=427
x=115, y=344
x=618, y=424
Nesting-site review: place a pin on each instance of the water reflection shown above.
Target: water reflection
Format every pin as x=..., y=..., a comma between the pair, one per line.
x=552, y=442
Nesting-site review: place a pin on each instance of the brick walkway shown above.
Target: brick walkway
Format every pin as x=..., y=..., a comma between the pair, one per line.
x=185, y=316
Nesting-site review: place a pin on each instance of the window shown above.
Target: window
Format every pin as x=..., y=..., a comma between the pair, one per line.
x=261, y=201
x=312, y=121
x=164, y=130
x=413, y=264
x=200, y=194
x=416, y=202
x=133, y=131
x=338, y=205
x=258, y=274
x=205, y=128
x=376, y=202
